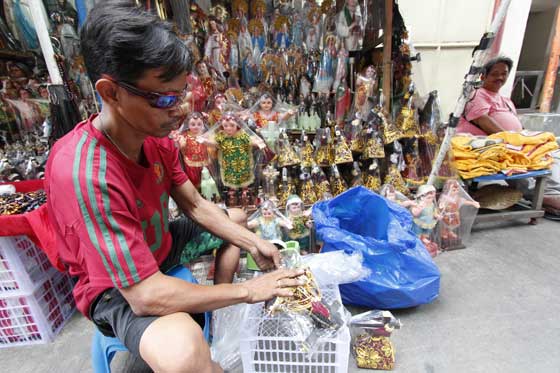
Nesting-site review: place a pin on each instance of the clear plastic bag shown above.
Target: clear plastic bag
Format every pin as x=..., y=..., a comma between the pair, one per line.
x=371, y=346
x=226, y=333
x=336, y=267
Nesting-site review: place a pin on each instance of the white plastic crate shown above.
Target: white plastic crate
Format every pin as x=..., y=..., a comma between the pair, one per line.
x=38, y=317
x=265, y=347
x=23, y=266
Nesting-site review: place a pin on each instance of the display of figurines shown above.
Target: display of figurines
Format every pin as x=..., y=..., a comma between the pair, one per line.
x=307, y=187
x=195, y=153
x=287, y=188
x=338, y=184
x=394, y=176
x=356, y=136
x=349, y=25
x=425, y=216
x=301, y=222
x=268, y=222
x=235, y=143
x=287, y=156
x=372, y=178
x=342, y=152
x=208, y=187
x=407, y=120
x=314, y=29
x=343, y=97
x=456, y=219
x=324, y=155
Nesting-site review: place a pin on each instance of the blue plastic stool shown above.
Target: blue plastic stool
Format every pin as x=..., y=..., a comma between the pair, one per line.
x=103, y=348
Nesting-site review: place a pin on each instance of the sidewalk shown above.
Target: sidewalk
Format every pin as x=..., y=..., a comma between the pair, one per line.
x=498, y=311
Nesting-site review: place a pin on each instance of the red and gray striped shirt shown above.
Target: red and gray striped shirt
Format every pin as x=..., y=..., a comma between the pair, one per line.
x=108, y=212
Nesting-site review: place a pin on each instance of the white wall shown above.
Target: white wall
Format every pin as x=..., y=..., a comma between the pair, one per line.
x=446, y=31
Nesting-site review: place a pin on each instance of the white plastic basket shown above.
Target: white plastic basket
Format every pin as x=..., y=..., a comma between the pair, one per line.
x=38, y=317
x=266, y=348
x=23, y=266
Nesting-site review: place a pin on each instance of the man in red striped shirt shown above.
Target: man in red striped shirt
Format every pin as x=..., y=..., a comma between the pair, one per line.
x=109, y=182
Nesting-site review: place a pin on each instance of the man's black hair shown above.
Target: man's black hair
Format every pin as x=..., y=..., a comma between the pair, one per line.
x=123, y=41
x=493, y=62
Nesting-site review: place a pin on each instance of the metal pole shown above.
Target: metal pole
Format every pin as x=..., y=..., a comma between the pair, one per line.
x=480, y=58
x=387, y=44
x=552, y=68
x=40, y=22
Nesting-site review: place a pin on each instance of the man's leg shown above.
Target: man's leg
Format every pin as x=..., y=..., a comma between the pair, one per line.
x=175, y=343
x=227, y=258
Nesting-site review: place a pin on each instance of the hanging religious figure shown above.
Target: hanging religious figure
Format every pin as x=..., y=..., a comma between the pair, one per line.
x=366, y=86
x=407, y=120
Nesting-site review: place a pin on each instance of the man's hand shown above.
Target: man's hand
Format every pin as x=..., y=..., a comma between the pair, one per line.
x=266, y=255
x=279, y=283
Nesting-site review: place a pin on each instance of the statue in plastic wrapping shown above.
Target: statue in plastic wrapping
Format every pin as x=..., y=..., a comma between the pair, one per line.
x=314, y=29
x=391, y=132
x=258, y=39
x=357, y=178
x=340, y=88
x=349, y=25
x=287, y=156
x=410, y=172
x=268, y=222
x=366, y=86
x=342, y=152
x=327, y=66
x=427, y=141
x=208, y=187
x=356, y=136
x=426, y=215
x=195, y=154
x=374, y=144
x=372, y=179
x=324, y=155
x=287, y=188
x=394, y=177
x=235, y=143
x=322, y=185
x=307, y=187
x=301, y=222
x=458, y=211
x=389, y=192
x=270, y=174
x=216, y=49
x=265, y=111
x=338, y=184
x=407, y=120
x=307, y=151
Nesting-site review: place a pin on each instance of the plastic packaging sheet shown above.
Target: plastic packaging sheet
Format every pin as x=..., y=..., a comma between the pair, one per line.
x=226, y=328
x=336, y=267
x=402, y=271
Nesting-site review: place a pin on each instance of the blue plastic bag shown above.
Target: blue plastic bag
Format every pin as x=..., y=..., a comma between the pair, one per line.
x=402, y=272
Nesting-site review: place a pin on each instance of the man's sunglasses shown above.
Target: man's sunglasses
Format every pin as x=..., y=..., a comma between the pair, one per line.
x=160, y=100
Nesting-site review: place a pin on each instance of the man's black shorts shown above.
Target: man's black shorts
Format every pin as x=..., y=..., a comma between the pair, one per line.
x=112, y=314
